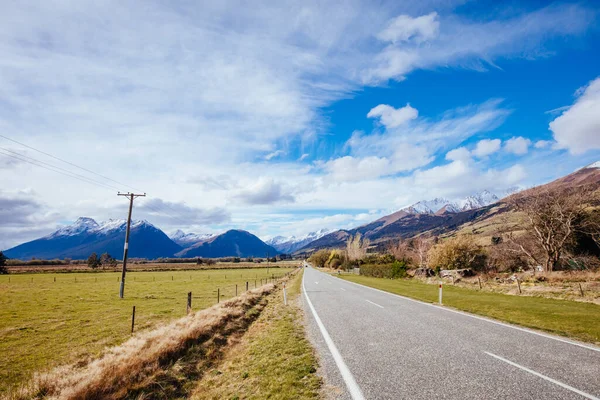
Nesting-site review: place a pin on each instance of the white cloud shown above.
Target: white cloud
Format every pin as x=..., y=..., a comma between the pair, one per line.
x=179, y=213
x=303, y=157
x=461, y=177
x=459, y=154
x=404, y=28
x=274, y=154
x=392, y=117
x=578, y=128
x=350, y=168
x=543, y=144
x=517, y=145
x=486, y=147
x=263, y=191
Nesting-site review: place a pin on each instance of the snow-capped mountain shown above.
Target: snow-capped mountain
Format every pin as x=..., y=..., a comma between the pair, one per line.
x=440, y=204
x=88, y=225
x=187, y=239
x=289, y=244
x=478, y=200
x=594, y=165
x=85, y=236
x=83, y=224
x=432, y=206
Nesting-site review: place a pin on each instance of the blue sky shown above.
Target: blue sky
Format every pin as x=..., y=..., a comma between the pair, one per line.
x=284, y=118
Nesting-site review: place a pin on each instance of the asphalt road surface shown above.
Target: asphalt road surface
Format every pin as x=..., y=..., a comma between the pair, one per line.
x=376, y=345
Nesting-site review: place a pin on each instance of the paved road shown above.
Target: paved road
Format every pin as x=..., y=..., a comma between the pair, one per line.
x=376, y=345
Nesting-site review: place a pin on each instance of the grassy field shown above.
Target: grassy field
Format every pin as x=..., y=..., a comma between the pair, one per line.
x=273, y=360
x=148, y=266
x=567, y=318
x=52, y=319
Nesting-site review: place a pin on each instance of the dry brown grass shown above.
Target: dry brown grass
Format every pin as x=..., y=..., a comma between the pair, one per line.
x=162, y=363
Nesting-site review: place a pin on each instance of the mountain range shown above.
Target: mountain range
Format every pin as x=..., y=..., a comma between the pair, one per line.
x=435, y=217
x=85, y=236
x=440, y=216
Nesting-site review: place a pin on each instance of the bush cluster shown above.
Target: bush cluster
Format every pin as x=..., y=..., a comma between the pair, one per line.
x=394, y=270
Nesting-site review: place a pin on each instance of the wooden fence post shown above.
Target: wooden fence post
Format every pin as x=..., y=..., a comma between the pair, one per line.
x=236, y=290
x=519, y=285
x=133, y=319
x=246, y=286
x=479, y=280
x=189, y=302
x=581, y=289
x=218, y=295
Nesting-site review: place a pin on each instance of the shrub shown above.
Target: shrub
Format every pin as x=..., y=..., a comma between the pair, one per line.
x=456, y=253
x=399, y=269
x=394, y=270
x=319, y=258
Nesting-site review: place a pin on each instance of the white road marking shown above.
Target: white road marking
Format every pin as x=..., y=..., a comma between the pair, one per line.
x=571, y=388
x=351, y=384
x=342, y=289
x=482, y=318
x=375, y=304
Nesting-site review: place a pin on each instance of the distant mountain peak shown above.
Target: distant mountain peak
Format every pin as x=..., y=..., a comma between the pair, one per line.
x=188, y=239
x=81, y=225
x=443, y=205
x=289, y=244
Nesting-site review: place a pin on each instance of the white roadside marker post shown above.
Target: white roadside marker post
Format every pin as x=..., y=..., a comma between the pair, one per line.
x=284, y=295
x=440, y=294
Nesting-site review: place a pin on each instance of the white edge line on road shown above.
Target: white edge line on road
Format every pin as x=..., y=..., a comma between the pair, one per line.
x=586, y=395
x=481, y=318
x=351, y=384
x=375, y=304
x=342, y=289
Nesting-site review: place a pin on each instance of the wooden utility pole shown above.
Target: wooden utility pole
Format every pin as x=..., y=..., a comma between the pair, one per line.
x=130, y=196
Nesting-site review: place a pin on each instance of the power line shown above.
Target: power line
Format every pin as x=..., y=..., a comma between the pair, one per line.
x=67, y=162
x=50, y=167
x=53, y=168
x=58, y=168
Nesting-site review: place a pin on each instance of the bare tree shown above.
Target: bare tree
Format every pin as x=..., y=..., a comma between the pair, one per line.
x=422, y=247
x=401, y=250
x=356, y=247
x=550, y=219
